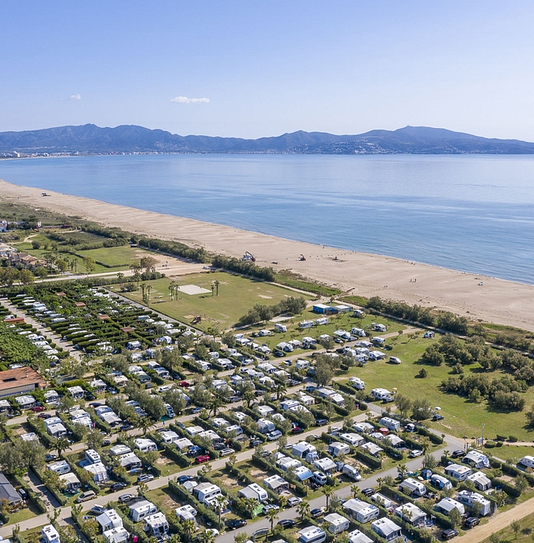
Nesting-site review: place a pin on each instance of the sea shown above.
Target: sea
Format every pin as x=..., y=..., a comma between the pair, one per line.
x=471, y=213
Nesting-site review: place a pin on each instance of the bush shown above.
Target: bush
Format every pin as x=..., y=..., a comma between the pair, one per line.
x=513, y=439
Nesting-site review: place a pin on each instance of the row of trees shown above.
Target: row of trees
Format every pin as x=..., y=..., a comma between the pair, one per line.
x=243, y=267
x=445, y=320
x=10, y=275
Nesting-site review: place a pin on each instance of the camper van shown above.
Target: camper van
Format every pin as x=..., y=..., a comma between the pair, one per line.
x=351, y=472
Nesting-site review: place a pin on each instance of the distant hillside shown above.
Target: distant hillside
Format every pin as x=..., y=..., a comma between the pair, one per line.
x=91, y=139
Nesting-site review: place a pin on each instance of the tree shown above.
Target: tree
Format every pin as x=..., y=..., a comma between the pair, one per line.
x=272, y=515
x=355, y=491
x=221, y=504
x=148, y=263
x=421, y=409
x=189, y=527
x=61, y=444
x=94, y=439
x=516, y=527
x=328, y=490
x=429, y=461
x=89, y=265
x=521, y=483
x=323, y=372
x=303, y=509
x=26, y=277
x=404, y=404
x=455, y=517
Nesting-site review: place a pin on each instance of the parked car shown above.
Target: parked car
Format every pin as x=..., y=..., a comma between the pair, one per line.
x=117, y=486
x=202, y=458
x=44, y=415
x=458, y=453
x=319, y=512
x=85, y=496
x=321, y=422
x=106, y=442
x=97, y=510
x=415, y=453
x=184, y=384
x=126, y=498
x=50, y=457
x=471, y=522
x=184, y=478
x=449, y=534
x=294, y=501
x=368, y=492
x=236, y=523
x=144, y=478
x=276, y=434
x=394, y=360
x=254, y=441
x=286, y=523
x=227, y=452
x=297, y=430
x=437, y=416
x=38, y=408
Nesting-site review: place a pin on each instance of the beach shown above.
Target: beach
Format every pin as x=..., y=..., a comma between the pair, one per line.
x=362, y=274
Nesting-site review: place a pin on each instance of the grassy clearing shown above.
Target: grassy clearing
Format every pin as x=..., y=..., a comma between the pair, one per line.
x=236, y=296
x=525, y=531
x=510, y=452
x=462, y=417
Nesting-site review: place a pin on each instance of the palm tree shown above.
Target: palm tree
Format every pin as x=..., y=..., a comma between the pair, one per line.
x=216, y=283
x=303, y=509
x=61, y=444
x=145, y=423
x=355, y=491
x=280, y=388
x=221, y=504
x=189, y=528
x=241, y=537
x=272, y=515
x=328, y=490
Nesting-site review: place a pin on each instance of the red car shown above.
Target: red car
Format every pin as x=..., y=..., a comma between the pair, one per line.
x=38, y=408
x=184, y=384
x=202, y=458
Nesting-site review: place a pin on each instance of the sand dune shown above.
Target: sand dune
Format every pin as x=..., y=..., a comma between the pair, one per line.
x=363, y=274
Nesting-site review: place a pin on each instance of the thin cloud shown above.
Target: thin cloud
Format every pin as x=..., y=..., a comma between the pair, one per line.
x=75, y=97
x=186, y=100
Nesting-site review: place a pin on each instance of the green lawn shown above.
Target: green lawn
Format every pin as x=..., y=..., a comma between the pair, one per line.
x=525, y=532
x=236, y=296
x=116, y=256
x=462, y=417
x=509, y=452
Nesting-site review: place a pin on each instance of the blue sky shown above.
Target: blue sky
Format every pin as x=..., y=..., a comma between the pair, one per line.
x=252, y=69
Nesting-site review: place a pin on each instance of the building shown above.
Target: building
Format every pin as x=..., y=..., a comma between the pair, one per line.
x=361, y=511
x=130, y=461
x=475, y=502
x=76, y=392
x=441, y=482
x=359, y=537
x=70, y=482
x=49, y=534
x=276, y=483
x=8, y=492
x=55, y=427
x=476, y=460
x=336, y=448
x=156, y=525
x=92, y=456
x=142, y=509
x=20, y=381
x=311, y=534
x=109, y=519
x=145, y=445
x=60, y=467
x=337, y=523
x=480, y=480
x=411, y=514
x=326, y=465
x=255, y=492
x=98, y=471
x=446, y=505
x=186, y=512
x=458, y=472
x=206, y=491
x=118, y=450
x=386, y=528
x=412, y=487
x=26, y=401
x=352, y=439
x=117, y=535
x=390, y=424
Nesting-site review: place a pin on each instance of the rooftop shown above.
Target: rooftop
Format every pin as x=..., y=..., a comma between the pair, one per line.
x=20, y=377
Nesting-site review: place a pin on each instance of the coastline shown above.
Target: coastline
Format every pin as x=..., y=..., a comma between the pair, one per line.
x=363, y=274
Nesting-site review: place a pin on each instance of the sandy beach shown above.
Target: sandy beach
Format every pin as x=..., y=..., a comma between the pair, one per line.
x=356, y=273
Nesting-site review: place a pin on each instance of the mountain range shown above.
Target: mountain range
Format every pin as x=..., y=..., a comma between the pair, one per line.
x=90, y=139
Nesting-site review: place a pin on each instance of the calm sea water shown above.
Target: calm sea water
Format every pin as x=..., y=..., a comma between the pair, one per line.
x=470, y=213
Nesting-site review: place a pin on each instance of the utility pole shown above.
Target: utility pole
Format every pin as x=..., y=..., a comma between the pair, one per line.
x=483, y=426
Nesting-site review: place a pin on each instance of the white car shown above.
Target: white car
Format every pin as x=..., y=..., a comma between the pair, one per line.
x=415, y=453
x=394, y=360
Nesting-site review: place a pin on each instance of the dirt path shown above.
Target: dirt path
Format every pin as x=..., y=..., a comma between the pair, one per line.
x=499, y=522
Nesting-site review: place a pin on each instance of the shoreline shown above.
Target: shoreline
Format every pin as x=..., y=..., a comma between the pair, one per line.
x=364, y=274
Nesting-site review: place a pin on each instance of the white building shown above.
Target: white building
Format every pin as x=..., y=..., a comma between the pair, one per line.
x=386, y=528
x=311, y=534
x=255, y=492
x=141, y=509
x=361, y=511
x=206, y=491
x=446, y=505
x=156, y=525
x=413, y=487
x=474, y=500
x=337, y=523
x=49, y=534
x=98, y=471
x=458, y=472
x=411, y=514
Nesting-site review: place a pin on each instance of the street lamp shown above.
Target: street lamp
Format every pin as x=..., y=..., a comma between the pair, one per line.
x=483, y=426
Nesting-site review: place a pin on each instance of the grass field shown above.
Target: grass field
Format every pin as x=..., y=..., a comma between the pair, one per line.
x=462, y=417
x=236, y=296
x=525, y=532
x=510, y=452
